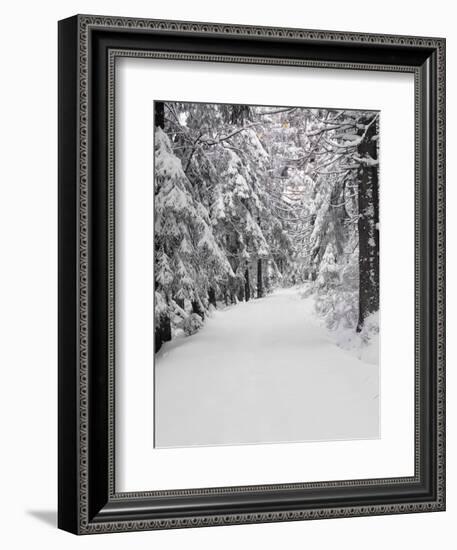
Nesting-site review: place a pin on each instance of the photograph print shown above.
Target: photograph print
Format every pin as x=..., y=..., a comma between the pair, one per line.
x=266, y=274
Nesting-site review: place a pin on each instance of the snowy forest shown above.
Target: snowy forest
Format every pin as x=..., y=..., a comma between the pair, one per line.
x=250, y=199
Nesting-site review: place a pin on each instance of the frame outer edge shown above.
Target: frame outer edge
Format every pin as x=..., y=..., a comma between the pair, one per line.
x=68, y=452
x=441, y=273
x=84, y=23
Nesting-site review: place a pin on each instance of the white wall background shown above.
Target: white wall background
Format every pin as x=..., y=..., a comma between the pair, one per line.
x=28, y=301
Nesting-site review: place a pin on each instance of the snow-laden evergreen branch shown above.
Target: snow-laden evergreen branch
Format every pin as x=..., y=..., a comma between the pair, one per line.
x=248, y=198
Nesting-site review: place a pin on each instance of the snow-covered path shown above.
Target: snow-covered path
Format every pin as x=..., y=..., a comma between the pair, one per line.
x=262, y=371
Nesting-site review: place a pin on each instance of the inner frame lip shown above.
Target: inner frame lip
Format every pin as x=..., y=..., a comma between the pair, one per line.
x=114, y=54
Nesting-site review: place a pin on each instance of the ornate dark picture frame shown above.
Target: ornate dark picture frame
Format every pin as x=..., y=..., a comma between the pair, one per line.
x=88, y=501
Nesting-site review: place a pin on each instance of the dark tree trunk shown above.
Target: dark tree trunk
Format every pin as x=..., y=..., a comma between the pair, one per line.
x=337, y=214
x=162, y=327
x=196, y=308
x=247, y=287
x=162, y=332
x=368, y=202
x=265, y=278
x=259, y=279
x=212, y=296
x=159, y=114
x=241, y=294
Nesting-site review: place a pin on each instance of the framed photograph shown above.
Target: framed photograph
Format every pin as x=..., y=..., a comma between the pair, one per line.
x=251, y=274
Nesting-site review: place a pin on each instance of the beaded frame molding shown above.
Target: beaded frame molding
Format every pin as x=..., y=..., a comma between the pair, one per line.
x=88, y=48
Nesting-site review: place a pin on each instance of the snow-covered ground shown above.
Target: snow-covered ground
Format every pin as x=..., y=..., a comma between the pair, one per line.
x=261, y=372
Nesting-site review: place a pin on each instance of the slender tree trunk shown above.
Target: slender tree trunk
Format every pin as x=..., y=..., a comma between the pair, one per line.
x=212, y=296
x=368, y=202
x=335, y=198
x=247, y=288
x=162, y=332
x=162, y=327
x=259, y=270
x=259, y=279
x=241, y=294
x=196, y=308
x=265, y=277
